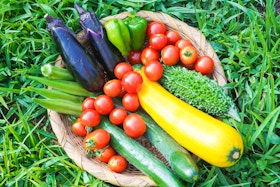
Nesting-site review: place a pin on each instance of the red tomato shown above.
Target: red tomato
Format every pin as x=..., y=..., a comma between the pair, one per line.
x=183, y=43
x=112, y=88
x=121, y=69
x=105, y=154
x=204, y=65
x=90, y=118
x=148, y=54
x=172, y=37
x=88, y=103
x=189, y=66
x=134, y=125
x=122, y=92
x=130, y=101
x=188, y=55
x=153, y=70
x=132, y=82
x=104, y=104
x=158, y=41
x=117, y=163
x=78, y=128
x=96, y=139
x=117, y=116
x=134, y=56
x=155, y=27
x=170, y=55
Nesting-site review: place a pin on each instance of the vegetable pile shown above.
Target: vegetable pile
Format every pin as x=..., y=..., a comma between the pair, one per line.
x=163, y=92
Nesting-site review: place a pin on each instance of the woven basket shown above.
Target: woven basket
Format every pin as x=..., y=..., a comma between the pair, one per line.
x=72, y=144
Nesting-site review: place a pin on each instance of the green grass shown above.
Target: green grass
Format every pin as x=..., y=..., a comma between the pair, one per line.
x=244, y=34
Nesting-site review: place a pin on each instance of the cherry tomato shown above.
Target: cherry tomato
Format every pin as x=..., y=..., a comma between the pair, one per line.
x=104, y=104
x=78, y=128
x=88, y=103
x=189, y=66
x=105, y=154
x=155, y=27
x=172, y=37
x=183, y=43
x=96, y=139
x=130, y=102
x=204, y=65
x=112, y=88
x=117, y=163
x=153, y=70
x=90, y=118
x=148, y=54
x=170, y=55
x=134, y=125
x=117, y=116
x=122, y=92
x=158, y=41
x=132, y=82
x=188, y=55
x=134, y=56
x=121, y=69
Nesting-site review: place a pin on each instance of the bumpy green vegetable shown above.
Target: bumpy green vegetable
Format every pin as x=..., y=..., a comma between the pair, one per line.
x=198, y=91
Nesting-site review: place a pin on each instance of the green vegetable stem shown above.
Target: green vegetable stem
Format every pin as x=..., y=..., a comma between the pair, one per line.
x=53, y=72
x=137, y=27
x=118, y=34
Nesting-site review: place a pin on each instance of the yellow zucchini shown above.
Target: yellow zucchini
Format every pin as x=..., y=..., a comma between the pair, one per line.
x=205, y=136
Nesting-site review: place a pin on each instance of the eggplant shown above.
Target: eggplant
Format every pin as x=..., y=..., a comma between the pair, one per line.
x=103, y=49
x=86, y=69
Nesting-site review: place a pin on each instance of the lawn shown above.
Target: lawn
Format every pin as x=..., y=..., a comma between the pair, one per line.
x=245, y=35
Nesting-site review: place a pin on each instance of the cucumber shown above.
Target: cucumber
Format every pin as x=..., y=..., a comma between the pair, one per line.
x=179, y=158
x=140, y=157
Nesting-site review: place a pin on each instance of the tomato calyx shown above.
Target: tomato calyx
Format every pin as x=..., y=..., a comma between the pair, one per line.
x=188, y=53
x=89, y=143
x=89, y=153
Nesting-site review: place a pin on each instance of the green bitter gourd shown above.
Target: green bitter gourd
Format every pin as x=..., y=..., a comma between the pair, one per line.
x=199, y=91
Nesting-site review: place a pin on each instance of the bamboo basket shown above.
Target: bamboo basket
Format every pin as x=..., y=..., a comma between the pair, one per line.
x=72, y=144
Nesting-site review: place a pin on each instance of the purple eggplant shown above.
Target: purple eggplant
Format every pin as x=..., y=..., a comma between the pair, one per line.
x=86, y=69
x=103, y=49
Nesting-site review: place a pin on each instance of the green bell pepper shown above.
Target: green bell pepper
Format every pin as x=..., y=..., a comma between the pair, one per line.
x=137, y=28
x=119, y=35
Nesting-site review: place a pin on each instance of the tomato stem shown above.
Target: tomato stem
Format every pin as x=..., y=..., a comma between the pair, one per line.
x=188, y=53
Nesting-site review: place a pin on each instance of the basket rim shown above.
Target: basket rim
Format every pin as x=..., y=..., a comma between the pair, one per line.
x=99, y=170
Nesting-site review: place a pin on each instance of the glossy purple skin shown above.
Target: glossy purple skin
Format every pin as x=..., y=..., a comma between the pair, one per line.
x=103, y=49
x=86, y=69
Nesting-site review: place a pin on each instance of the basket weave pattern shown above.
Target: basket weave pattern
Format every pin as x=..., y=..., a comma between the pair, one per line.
x=72, y=144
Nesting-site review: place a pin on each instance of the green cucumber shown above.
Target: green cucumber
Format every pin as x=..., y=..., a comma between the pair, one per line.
x=179, y=158
x=140, y=157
